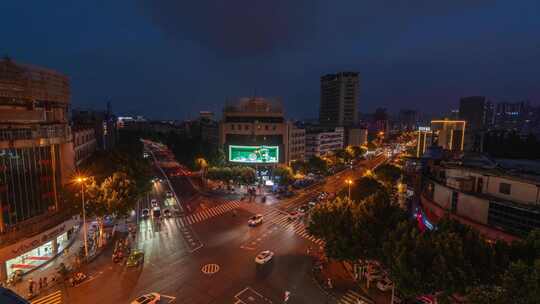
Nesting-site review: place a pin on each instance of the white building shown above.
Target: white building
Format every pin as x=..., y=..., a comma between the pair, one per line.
x=84, y=144
x=320, y=142
x=500, y=203
x=297, y=142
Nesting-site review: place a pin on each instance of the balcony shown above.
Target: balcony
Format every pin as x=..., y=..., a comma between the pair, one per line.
x=54, y=131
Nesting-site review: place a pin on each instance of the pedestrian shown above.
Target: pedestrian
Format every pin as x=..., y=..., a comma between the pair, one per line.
x=329, y=283
x=40, y=283
x=45, y=282
x=30, y=286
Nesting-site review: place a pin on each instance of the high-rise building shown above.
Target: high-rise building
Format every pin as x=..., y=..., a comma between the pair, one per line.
x=474, y=111
x=339, y=99
x=36, y=159
x=104, y=123
x=408, y=120
x=511, y=115
x=477, y=113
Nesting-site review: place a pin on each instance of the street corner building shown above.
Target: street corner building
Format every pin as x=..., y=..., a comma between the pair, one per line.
x=36, y=159
x=253, y=131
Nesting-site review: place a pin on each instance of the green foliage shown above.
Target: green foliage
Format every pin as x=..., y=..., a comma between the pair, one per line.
x=388, y=174
x=300, y=166
x=364, y=187
x=352, y=230
x=284, y=173
x=114, y=196
x=239, y=174
x=521, y=283
x=357, y=151
x=344, y=155
x=317, y=165
x=248, y=176
x=371, y=146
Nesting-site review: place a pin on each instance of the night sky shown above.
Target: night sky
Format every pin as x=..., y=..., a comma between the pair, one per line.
x=169, y=59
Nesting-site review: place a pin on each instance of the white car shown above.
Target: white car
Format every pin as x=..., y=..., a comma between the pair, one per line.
x=385, y=284
x=264, y=257
x=153, y=202
x=151, y=298
x=255, y=220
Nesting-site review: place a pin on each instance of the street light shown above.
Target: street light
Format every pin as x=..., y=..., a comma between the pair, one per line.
x=81, y=180
x=349, y=182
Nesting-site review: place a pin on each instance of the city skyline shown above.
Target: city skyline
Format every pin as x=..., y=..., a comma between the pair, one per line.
x=170, y=56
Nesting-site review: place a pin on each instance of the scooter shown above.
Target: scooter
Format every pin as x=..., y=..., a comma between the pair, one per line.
x=77, y=278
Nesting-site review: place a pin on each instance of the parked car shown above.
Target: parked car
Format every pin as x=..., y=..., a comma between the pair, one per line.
x=169, y=194
x=151, y=298
x=167, y=212
x=264, y=257
x=385, y=284
x=135, y=258
x=255, y=220
x=153, y=202
x=145, y=213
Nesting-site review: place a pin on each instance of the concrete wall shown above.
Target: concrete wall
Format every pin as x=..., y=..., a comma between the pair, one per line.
x=473, y=208
x=521, y=192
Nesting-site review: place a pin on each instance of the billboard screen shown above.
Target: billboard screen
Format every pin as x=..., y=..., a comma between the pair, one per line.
x=254, y=154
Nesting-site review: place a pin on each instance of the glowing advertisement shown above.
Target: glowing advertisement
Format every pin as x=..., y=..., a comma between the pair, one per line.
x=254, y=154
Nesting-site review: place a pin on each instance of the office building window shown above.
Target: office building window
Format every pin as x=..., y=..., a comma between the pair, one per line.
x=505, y=188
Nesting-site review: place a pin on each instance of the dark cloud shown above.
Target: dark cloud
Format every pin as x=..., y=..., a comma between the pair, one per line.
x=247, y=27
x=240, y=27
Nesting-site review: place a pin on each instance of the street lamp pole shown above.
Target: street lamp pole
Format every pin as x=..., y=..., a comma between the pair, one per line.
x=81, y=180
x=349, y=182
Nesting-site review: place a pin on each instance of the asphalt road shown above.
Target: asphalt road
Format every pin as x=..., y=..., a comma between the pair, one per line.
x=208, y=257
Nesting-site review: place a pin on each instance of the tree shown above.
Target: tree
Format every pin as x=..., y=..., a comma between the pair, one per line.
x=447, y=260
x=521, y=283
x=354, y=231
x=284, y=173
x=114, y=196
x=356, y=151
x=364, y=187
x=335, y=223
x=317, y=165
x=248, y=175
x=371, y=146
x=300, y=166
x=388, y=175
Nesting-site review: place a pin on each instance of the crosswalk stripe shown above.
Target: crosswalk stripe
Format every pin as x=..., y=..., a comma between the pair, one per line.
x=350, y=297
x=53, y=298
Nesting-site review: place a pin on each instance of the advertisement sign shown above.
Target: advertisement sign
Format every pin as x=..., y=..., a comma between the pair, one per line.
x=254, y=154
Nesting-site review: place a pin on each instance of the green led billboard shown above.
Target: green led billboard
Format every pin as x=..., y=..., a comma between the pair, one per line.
x=254, y=154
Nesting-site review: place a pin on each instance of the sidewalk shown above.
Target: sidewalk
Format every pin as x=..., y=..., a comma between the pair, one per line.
x=69, y=257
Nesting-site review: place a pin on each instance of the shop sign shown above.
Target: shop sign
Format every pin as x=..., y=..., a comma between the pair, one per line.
x=31, y=243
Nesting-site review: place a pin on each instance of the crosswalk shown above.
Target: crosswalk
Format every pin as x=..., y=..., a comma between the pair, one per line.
x=281, y=219
x=208, y=213
x=351, y=297
x=52, y=298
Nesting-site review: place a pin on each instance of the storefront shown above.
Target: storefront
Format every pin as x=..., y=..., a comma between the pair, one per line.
x=36, y=251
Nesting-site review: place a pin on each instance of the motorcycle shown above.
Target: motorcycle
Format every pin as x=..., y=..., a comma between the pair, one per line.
x=78, y=278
